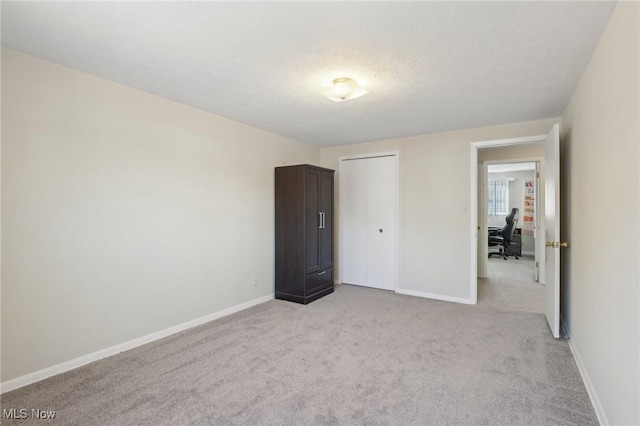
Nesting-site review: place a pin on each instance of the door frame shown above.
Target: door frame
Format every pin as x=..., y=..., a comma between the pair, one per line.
x=395, y=154
x=473, y=211
x=483, y=243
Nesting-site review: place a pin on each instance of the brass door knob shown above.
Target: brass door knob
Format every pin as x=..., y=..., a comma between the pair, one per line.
x=556, y=244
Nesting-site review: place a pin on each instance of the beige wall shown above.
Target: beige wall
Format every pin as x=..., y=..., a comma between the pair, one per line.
x=434, y=203
x=513, y=152
x=124, y=213
x=601, y=206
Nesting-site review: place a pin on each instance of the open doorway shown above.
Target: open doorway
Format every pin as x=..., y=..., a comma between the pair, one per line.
x=548, y=244
x=509, y=214
x=509, y=177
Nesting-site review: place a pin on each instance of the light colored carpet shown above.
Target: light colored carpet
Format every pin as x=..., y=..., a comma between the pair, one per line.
x=356, y=357
x=519, y=270
x=511, y=285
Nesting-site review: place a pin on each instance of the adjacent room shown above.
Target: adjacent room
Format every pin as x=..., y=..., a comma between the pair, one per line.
x=509, y=211
x=346, y=213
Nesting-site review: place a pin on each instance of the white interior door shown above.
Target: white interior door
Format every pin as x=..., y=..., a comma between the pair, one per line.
x=381, y=222
x=552, y=230
x=368, y=222
x=354, y=194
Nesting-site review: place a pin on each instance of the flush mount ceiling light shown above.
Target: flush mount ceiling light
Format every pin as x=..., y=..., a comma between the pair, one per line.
x=343, y=89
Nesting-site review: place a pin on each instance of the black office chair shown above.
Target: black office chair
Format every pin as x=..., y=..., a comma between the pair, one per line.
x=504, y=236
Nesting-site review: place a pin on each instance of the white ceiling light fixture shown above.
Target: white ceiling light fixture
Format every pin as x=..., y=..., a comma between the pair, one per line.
x=343, y=89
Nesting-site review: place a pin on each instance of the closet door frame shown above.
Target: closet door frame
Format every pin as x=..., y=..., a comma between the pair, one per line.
x=341, y=196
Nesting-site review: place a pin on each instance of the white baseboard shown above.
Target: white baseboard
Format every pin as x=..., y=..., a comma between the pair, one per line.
x=435, y=296
x=428, y=295
x=593, y=395
x=45, y=373
x=527, y=253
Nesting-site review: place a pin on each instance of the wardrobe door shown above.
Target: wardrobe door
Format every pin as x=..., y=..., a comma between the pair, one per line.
x=312, y=220
x=326, y=210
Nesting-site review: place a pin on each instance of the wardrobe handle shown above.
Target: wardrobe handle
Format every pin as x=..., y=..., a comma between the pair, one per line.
x=320, y=220
x=322, y=273
x=324, y=223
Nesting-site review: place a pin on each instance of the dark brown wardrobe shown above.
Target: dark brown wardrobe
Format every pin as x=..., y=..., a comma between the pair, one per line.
x=304, y=233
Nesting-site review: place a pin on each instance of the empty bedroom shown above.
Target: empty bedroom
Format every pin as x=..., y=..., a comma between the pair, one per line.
x=314, y=213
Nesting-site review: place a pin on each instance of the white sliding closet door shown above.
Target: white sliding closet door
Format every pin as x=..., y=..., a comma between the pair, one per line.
x=368, y=221
x=353, y=229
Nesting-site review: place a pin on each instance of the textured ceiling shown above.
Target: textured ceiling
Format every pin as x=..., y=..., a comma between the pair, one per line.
x=430, y=66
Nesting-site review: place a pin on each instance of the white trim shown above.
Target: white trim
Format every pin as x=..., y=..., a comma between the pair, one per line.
x=514, y=160
x=436, y=296
x=591, y=390
x=370, y=155
x=473, y=211
x=338, y=276
x=482, y=237
x=510, y=141
x=502, y=179
x=397, y=284
x=395, y=154
x=45, y=373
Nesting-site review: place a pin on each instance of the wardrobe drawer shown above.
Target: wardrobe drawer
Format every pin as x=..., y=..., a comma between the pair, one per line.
x=318, y=280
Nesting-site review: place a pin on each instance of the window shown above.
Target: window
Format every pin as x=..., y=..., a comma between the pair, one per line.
x=498, y=197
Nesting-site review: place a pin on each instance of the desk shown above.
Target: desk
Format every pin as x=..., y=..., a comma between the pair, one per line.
x=515, y=247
